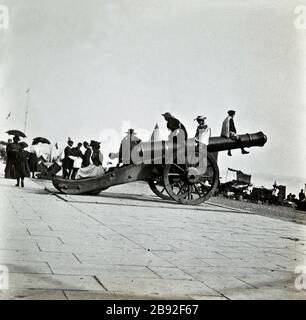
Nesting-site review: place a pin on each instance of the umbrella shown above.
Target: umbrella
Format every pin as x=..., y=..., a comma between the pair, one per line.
x=23, y=145
x=40, y=140
x=16, y=133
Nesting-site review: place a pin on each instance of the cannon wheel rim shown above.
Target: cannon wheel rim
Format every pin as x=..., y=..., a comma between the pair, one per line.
x=163, y=194
x=210, y=190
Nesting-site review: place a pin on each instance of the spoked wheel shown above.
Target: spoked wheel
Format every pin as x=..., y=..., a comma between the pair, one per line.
x=157, y=186
x=186, y=184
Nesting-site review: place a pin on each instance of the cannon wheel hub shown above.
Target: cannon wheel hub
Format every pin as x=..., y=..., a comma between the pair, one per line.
x=192, y=175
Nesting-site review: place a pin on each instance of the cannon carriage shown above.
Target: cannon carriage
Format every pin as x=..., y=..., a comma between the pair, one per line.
x=185, y=182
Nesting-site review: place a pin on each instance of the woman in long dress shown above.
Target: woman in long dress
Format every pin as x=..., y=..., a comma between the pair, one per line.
x=17, y=165
x=21, y=165
x=11, y=148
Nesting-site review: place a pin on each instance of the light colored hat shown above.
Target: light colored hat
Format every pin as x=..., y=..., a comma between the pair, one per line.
x=200, y=118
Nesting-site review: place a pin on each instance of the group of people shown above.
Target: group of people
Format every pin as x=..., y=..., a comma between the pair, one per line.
x=203, y=131
x=76, y=164
x=292, y=197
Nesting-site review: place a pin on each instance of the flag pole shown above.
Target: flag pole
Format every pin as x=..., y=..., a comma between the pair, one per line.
x=27, y=110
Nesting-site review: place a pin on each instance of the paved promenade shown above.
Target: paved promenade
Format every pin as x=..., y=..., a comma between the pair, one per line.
x=127, y=243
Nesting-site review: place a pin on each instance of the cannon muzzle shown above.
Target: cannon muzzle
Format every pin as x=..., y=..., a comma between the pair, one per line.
x=244, y=141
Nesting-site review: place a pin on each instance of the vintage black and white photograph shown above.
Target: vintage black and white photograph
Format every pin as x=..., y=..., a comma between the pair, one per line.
x=152, y=150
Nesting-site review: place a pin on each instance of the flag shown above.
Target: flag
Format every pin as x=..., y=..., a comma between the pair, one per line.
x=8, y=116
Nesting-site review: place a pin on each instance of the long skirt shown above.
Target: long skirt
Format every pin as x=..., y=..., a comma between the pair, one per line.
x=17, y=169
x=8, y=171
x=90, y=171
x=33, y=160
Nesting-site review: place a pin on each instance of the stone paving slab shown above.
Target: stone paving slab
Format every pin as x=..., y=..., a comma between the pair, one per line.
x=27, y=267
x=53, y=282
x=104, y=270
x=155, y=286
x=28, y=294
x=124, y=245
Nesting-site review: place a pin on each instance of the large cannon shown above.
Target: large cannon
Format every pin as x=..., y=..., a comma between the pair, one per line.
x=185, y=183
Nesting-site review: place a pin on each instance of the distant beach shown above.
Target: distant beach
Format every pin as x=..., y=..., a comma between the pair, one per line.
x=293, y=184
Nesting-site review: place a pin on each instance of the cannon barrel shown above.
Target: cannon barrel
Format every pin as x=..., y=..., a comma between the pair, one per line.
x=246, y=140
x=156, y=151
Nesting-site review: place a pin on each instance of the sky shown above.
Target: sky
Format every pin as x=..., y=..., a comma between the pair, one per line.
x=97, y=67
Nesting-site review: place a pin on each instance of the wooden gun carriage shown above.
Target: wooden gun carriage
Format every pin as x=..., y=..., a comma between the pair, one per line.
x=184, y=183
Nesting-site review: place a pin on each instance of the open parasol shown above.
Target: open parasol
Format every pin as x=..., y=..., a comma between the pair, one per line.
x=16, y=133
x=41, y=140
x=23, y=145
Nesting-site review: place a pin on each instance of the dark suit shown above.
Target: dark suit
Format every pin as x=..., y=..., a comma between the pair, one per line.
x=67, y=163
x=232, y=127
x=86, y=158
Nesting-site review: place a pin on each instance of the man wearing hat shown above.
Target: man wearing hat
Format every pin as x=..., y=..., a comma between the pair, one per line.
x=175, y=126
x=67, y=161
x=127, y=145
x=229, y=130
x=97, y=156
x=87, y=155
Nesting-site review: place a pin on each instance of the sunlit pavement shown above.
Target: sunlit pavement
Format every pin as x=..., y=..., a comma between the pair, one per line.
x=128, y=244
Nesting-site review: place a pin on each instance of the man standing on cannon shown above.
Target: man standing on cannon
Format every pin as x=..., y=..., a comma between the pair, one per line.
x=229, y=130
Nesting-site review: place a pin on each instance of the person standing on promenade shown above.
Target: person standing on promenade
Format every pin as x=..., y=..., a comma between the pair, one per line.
x=21, y=165
x=275, y=193
x=302, y=195
x=87, y=155
x=67, y=162
x=8, y=151
x=77, y=156
x=33, y=159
